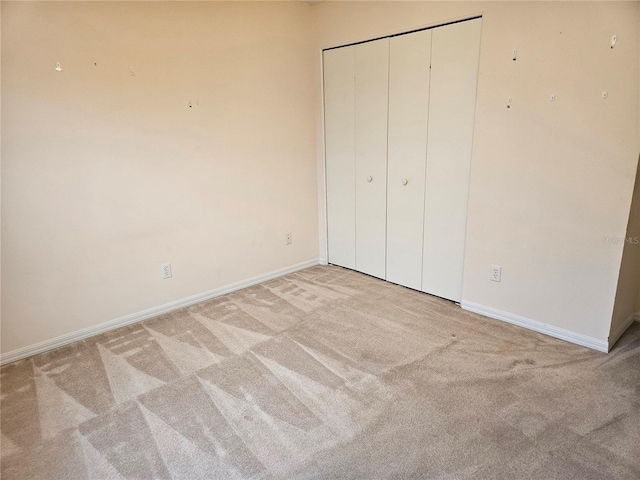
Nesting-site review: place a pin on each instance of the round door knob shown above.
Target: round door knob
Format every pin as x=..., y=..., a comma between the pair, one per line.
x=404, y=181
x=369, y=179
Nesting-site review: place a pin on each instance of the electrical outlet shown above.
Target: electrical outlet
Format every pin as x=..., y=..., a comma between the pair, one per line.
x=287, y=239
x=496, y=273
x=166, y=270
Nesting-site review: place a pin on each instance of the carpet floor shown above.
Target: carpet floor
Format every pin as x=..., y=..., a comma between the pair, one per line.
x=325, y=373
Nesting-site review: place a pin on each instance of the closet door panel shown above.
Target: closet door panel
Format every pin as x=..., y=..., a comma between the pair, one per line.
x=409, y=63
x=454, y=72
x=371, y=100
x=339, y=104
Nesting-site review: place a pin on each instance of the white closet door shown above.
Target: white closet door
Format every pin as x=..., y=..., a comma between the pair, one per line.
x=371, y=99
x=339, y=102
x=454, y=71
x=409, y=60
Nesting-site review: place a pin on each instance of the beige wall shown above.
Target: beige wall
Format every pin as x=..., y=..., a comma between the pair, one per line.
x=627, y=296
x=105, y=176
x=549, y=179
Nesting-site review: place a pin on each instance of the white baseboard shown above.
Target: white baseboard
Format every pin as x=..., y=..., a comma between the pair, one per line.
x=556, y=332
x=56, y=342
x=615, y=336
x=323, y=261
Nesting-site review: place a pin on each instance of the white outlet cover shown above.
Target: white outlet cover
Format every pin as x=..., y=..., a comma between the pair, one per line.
x=166, y=270
x=496, y=273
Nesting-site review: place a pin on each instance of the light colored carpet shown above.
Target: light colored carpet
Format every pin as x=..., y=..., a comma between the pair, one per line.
x=325, y=373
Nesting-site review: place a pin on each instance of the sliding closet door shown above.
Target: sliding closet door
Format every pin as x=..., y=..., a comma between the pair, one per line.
x=371, y=99
x=339, y=101
x=454, y=72
x=409, y=60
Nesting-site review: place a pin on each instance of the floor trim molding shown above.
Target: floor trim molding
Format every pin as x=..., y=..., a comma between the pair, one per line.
x=56, y=342
x=614, y=337
x=556, y=332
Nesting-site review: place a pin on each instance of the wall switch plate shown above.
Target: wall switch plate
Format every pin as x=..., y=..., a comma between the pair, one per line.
x=496, y=273
x=287, y=239
x=166, y=270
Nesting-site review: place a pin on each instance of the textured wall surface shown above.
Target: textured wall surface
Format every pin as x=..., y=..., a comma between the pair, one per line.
x=106, y=176
x=212, y=151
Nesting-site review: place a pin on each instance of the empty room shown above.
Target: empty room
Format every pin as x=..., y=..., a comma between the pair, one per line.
x=320, y=240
